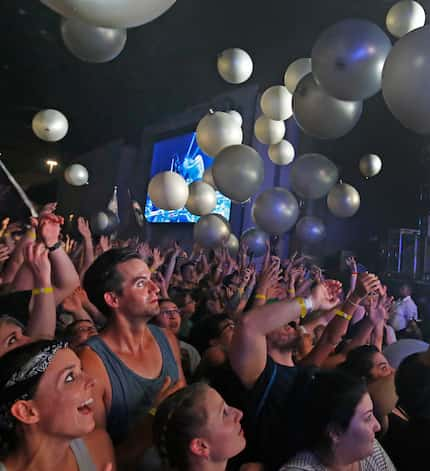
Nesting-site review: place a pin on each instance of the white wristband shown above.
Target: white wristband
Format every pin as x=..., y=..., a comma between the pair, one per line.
x=309, y=304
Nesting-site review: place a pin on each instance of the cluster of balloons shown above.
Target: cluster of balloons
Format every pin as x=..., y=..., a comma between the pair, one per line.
x=95, y=31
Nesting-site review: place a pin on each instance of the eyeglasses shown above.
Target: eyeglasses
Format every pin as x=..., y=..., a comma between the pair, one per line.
x=170, y=312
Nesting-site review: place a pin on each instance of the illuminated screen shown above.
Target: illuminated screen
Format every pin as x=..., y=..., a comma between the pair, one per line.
x=181, y=154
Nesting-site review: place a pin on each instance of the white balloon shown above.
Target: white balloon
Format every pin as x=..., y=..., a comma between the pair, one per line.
x=237, y=116
x=269, y=131
x=76, y=175
x=370, y=165
x=168, y=190
x=277, y=103
x=111, y=13
x=201, y=199
x=217, y=131
x=343, y=200
x=211, y=231
x=281, y=153
x=208, y=178
x=235, y=65
x=92, y=43
x=296, y=71
x=50, y=125
x=405, y=16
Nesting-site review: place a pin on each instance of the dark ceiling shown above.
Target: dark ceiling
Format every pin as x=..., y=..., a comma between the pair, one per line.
x=170, y=64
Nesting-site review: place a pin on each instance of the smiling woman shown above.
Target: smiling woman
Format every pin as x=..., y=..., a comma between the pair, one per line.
x=46, y=398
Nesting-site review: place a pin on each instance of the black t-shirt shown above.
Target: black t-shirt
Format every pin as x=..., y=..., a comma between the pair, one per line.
x=272, y=423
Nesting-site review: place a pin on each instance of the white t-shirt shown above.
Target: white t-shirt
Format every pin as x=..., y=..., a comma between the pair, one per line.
x=404, y=310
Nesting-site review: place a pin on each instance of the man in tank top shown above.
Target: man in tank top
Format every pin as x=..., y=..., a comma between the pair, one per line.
x=134, y=363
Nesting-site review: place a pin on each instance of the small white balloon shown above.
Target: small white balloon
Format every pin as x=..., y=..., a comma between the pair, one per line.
x=217, y=131
x=281, y=153
x=235, y=65
x=111, y=13
x=201, y=199
x=209, y=178
x=370, y=165
x=168, y=190
x=405, y=16
x=50, y=125
x=296, y=71
x=76, y=175
x=277, y=103
x=237, y=116
x=269, y=131
x=343, y=200
x=92, y=43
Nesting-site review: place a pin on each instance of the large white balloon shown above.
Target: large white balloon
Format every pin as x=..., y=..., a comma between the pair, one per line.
x=313, y=175
x=201, y=199
x=92, y=43
x=211, y=231
x=277, y=103
x=343, y=200
x=370, y=165
x=168, y=190
x=111, y=13
x=405, y=80
x=238, y=172
x=321, y=115
x=216, y=131
x=275, y=211
x=50, y=125
x=405, y=16
x=269, y=131
x=296, y=71
x=235, y=65
x=281, y=153
x=76, y=175
x=348, y=57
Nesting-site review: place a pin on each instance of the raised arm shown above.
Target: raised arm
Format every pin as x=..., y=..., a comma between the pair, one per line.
x=85, y=231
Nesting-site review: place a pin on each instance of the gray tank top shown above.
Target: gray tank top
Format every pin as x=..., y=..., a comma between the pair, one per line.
x=132, y=395
x=82, y=455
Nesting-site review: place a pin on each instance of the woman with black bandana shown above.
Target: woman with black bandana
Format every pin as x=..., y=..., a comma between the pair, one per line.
x=45, y=407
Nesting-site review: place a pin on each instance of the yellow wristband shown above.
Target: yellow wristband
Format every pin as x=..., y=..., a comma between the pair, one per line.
x=152, y=411
x=47, y=290
x=6, y=234
x=292, y=291
x=152, y=270
x=241, y=290
x=303, y=308
x=31, y=234
x=261, y=296
x=340, y=313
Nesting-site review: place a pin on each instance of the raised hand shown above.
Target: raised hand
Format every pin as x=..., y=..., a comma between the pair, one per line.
x=49, y=228
x=157, y=259
x=84, y=228
x=366, y=283
x=36, y=256
x=325, y=296
x=48, y=208
x=105, y=243
x=351, y=263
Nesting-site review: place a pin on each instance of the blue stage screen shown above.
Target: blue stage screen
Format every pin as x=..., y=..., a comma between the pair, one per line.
x=181, y=154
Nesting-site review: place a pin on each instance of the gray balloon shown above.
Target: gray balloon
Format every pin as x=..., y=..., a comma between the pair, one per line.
x=76, y=175
x=310, y=229
x=238, y=172
x=319, y=114
x=405, y=80
x=92, y=43
x=208, y=178
x=343, y=200
x=50, y=125
x=312, y=176
x=348, y=58
x=201, y=199
x=232, y=245
x=275, y=211
x=104, y=222
x=370, y=165
x=256, y=241
x=211, y=231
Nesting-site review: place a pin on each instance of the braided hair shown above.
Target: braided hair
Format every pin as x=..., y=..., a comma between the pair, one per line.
x=177, y=422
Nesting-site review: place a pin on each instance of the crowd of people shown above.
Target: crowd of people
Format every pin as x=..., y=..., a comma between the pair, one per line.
x=116, y=355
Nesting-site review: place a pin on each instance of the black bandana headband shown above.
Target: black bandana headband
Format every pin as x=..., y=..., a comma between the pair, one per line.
x=23, y=379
